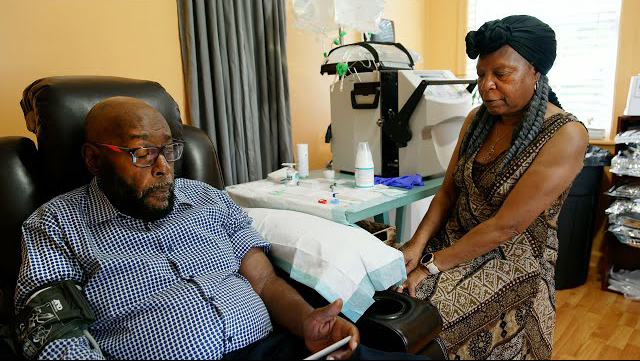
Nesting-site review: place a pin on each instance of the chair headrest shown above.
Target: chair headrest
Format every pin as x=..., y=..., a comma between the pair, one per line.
x=55, y=109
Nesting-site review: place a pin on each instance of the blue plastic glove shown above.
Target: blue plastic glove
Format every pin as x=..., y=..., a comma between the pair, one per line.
x=406, y=181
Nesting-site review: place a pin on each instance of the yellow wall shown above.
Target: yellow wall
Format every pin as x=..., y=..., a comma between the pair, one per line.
x=128, y=38
x=628, y=56
x=446, y=27
x=430, y=27
x=309, y=92
x=409, y=24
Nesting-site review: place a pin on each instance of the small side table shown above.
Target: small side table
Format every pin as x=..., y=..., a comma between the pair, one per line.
x=380, y=211
x=378, y=207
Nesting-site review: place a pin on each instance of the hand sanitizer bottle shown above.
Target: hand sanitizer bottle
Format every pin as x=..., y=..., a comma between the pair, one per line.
x=292, y=175
x=364, y=166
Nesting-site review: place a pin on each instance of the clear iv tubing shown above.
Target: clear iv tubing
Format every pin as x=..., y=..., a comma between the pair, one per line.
x=352, y=70
x=92, y=341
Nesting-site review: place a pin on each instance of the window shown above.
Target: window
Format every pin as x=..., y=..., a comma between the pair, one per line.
x=583, y=74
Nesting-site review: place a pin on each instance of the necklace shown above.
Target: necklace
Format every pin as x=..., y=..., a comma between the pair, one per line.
x=492, y=149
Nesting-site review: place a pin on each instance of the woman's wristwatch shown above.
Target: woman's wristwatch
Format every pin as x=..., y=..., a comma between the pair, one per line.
x=427, y=262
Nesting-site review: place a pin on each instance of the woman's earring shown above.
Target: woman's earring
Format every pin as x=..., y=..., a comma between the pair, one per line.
x=535, y=87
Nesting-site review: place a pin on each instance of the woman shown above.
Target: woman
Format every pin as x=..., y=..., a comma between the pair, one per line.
x=485, y=252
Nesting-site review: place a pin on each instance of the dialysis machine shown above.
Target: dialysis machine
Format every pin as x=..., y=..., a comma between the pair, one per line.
x=411, y=119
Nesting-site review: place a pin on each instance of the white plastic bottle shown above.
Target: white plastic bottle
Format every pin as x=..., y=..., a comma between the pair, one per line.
x=302, y=153
x=364, y=166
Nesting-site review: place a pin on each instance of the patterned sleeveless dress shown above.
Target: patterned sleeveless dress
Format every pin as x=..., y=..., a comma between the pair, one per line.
x=500, y=305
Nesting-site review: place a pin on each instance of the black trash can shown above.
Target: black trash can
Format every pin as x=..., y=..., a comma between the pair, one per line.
x=575, y=229
x=576, y=222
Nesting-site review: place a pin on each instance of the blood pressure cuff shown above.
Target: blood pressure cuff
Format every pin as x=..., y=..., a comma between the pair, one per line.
x=56, y=311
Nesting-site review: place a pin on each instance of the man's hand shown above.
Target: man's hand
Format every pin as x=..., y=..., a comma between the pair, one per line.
x=319, y=328
x=413, y=280
x=323, y=328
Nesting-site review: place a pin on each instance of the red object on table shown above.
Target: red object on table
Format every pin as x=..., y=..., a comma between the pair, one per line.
x=322, y=201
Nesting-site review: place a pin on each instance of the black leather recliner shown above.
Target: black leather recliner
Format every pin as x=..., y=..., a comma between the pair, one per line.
x=55, y=109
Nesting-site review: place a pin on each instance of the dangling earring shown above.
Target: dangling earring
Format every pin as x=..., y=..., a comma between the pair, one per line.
x=535, y=87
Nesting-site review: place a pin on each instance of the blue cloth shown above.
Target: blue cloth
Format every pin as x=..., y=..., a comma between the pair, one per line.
x=168, y=289
x=406, y=181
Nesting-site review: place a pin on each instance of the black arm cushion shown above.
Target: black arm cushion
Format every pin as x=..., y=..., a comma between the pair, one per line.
x=395, y=322
x=55, y=109
x=19, y=200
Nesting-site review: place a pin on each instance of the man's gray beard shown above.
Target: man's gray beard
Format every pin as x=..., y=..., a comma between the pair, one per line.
x=130, y=201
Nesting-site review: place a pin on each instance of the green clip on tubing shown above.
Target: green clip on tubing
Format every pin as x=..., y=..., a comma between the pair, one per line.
x=341, y=68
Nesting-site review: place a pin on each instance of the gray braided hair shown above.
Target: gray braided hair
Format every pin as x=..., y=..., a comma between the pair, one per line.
x=532, y=122
x=524, y=134
x=477, y=133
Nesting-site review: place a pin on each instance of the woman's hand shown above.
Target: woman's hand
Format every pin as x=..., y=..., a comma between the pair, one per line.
x=414, y=279
x=412, y=253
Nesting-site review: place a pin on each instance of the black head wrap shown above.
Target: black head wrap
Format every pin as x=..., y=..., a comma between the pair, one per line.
x=530, y=37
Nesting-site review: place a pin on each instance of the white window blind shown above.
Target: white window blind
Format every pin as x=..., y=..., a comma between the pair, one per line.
x=583, y=74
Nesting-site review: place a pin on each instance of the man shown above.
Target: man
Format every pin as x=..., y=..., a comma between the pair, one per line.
x=171, y=268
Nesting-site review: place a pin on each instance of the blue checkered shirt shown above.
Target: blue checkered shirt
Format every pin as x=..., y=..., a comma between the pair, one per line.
x=165, y=289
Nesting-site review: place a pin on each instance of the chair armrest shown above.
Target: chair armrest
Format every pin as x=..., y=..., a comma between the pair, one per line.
x=18, y=159
x=395, y=322
x=399, y=323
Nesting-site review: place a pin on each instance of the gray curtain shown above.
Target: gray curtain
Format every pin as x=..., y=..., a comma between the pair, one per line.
x=235, y=66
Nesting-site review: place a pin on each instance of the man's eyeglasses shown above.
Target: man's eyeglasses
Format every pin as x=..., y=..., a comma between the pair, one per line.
x=145, y=157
